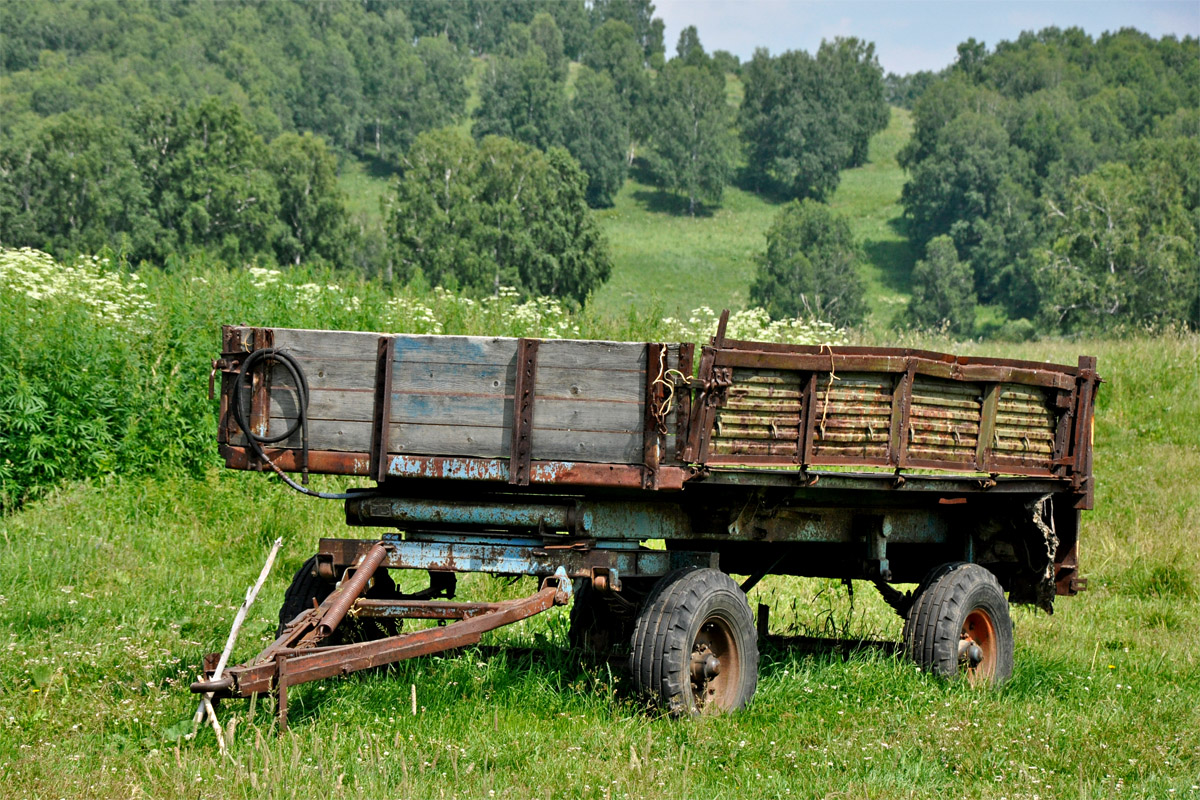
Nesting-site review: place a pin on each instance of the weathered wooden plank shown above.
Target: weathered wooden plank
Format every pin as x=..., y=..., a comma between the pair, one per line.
x=341, y=404
x=448, y=409
x=562, y=382
x=587, y=354
x=328, y=373
x=548, y=413
x=928, y=412
x=462, y=440
x=466, y=440
x=577, y=353
x=777, y=432
x=569, y=353
x=310, y=345
x=729, y=447
x=559, y=382
x=456, y=350
x=853, y=411
x=776, y=406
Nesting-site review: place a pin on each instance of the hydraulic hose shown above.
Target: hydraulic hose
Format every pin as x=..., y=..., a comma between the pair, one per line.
x=256, y=441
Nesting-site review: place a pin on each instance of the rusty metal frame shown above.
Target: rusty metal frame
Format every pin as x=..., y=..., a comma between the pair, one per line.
x=882, y=361
x=897, y=452
x=508, y=558
x=543, y=473
x=1082, y=480
x=521, y=448
x=294, y=658
x=1072, y=390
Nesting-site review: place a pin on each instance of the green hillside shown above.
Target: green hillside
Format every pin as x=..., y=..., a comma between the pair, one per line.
x=664, y=259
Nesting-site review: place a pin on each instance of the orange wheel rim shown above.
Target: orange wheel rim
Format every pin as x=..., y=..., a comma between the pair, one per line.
x=977, y=647
x=715, y=666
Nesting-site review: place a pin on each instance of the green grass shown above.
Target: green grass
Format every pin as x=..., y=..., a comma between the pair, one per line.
x=111, y=591
x=365, y=185
x=664, y=259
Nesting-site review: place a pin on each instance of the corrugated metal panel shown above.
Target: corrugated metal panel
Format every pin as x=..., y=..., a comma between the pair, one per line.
x=944, y=420
x=1025, y=425
x=853, y=415
x=761, y=415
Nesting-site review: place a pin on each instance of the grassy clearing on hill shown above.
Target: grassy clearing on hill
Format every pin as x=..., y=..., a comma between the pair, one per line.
x=112, y=591
x=869, y=198
x=664, y=259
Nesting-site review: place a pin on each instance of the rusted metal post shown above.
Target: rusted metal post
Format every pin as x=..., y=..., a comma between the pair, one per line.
x=521, y=446
x=381, y=418
x=351, y=589
x=281, y=685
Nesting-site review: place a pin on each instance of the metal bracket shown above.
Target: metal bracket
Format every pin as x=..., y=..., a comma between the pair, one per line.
x=521, y=448
x=877, y=531
x=606, y=579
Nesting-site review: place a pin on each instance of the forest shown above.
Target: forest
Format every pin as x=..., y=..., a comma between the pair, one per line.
x=1053, y=180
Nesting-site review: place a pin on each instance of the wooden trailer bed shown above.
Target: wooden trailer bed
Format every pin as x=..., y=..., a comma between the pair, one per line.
x=389, y=406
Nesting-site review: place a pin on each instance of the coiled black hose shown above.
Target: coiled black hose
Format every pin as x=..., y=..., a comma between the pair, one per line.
x=300, y=424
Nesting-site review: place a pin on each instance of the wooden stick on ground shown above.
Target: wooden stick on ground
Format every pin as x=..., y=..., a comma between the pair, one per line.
x=206, y=706
x=251, y=594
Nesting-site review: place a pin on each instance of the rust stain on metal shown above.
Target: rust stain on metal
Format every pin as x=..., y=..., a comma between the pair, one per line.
x=567, y=473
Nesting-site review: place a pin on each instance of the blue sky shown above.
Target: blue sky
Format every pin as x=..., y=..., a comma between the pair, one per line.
x=908, y=36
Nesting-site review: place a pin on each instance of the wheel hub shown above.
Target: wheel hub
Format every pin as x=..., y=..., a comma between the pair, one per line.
x=705, y=666
x=970, y=652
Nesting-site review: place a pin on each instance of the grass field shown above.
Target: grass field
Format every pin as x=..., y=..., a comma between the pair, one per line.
x=111, y=592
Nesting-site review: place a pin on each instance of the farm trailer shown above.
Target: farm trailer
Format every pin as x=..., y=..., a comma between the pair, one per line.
x=571, y=460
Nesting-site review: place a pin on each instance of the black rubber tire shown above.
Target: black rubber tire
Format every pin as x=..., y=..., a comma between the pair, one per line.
x=693, y=609
x=299, y=597
x=960, y=600
x=306, y=588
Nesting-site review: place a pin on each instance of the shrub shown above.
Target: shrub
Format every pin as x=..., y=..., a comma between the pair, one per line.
x=943, y=290
x=810, y=266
